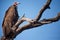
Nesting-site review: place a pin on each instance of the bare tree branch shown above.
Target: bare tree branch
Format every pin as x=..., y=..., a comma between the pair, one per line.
x=37, y=18
x=43, y=9
x=21, y=21
x=38, y=23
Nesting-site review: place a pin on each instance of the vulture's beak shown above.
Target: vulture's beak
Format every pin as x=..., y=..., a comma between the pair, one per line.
x=16, y=3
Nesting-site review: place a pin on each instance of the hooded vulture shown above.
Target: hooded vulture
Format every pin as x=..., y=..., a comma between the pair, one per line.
x=11, y=17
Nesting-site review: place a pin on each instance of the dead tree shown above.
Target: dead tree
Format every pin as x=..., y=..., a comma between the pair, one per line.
x=36, y=22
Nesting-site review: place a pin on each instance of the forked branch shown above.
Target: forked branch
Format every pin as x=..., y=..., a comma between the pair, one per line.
x=38, y=23
x=38, y=16
x=46, y=6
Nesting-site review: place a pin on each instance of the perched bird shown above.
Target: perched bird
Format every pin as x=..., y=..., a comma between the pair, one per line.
x=11, y=17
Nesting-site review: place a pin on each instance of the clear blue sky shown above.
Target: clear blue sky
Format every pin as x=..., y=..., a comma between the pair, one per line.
x=31, y=9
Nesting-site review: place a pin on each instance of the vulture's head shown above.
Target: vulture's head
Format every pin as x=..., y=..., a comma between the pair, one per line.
x=16, y=3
